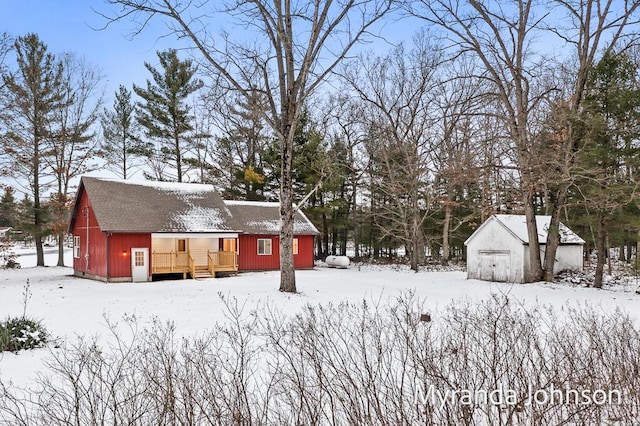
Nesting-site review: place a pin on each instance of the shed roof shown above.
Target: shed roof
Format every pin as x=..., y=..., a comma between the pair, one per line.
x=142, y=206
x=517, y=226
x=261, y=217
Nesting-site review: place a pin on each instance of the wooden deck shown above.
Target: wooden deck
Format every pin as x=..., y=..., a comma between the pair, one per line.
x=174, y=262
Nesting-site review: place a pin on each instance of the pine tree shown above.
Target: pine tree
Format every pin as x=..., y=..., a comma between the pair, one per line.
x=73, y=143
x=163, y=111
x=8, y=207
x=33, y=98
x=239, y=167
x=609, y=156
x=121, y=145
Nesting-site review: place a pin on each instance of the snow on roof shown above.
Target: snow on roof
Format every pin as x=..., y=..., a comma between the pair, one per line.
x=268, y=226
x=251, y=203
x=167, y=186
x=262, y=217
x=140, y=206
x=146, y=206
x=517, y=224
x=195, y=219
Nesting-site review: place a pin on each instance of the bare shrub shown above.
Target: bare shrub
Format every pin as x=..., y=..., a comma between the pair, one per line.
x=475, y=363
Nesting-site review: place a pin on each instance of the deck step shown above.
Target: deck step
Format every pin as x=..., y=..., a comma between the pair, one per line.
x=203, y=274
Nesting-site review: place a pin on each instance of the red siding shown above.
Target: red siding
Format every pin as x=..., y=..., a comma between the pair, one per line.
x=305, y=258
x=249, y=260
x=119, y=263
x=120, y=246
x=95, y=263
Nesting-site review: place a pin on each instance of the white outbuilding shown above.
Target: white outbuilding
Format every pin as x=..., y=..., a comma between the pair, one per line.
x=499, y=249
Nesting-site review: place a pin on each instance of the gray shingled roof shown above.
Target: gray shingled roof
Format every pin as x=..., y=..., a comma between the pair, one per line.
x=258, y=217
x=129, y=206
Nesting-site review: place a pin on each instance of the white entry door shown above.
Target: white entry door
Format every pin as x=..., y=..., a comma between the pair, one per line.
x=139, y=264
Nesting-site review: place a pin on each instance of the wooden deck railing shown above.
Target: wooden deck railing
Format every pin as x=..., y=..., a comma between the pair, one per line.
x=222, y=261
x=165, y=262
x=168, y=262
x=192, y=267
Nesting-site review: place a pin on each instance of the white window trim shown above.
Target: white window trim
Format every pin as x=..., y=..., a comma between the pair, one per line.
x=270, y=246
x=76, y=247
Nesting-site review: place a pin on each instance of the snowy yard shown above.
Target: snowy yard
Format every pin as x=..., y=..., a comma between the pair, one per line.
x=70, y=306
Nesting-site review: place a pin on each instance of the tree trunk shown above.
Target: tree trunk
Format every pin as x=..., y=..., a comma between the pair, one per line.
x=60, y=250
x=534, y=246
x=414, y=255
x=445, y=236
x=415, y=245
x=37, y=216
x=324, y=244
x=287, y=270
x=178, y=158
x=608, y=255
x=553, y=235
x=39, y=250
x=600, y=251
x=287, y=213
x=356, y=234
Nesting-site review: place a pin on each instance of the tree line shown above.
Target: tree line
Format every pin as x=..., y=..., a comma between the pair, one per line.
x=406, y=151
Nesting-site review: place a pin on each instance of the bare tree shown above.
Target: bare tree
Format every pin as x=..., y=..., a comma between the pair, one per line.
x=292, y=48
x=499, y=40
x=347, y=130
x=399, y=89
x=6, y=45
x=73, y=143
x=457, y=155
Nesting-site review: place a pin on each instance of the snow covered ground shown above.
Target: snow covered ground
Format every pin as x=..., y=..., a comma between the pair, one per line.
x=70, y=307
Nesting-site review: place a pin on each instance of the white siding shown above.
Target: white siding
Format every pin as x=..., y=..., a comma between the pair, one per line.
x=198, y=248
x=489, y=246
x=163, y=245
x=568, y=258
x=505, y=251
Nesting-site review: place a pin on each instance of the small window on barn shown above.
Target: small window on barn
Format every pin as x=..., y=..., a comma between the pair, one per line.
x=182, y=245
x=264, y=247
x=295, y=246
x=76, y=247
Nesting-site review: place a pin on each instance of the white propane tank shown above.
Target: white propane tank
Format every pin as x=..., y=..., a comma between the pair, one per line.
x=337, y=261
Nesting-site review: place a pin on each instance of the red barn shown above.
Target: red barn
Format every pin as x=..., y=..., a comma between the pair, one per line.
x=129, y=231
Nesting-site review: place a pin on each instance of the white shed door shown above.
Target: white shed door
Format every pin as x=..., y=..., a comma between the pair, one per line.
x=501, y=269
x=139, y=264
x=494, y=266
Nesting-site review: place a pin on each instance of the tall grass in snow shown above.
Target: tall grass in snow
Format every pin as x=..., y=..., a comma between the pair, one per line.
x=476, y=363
